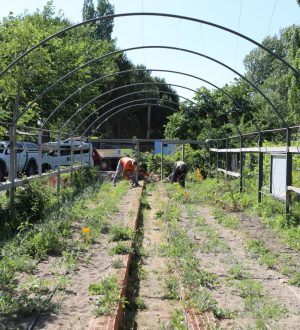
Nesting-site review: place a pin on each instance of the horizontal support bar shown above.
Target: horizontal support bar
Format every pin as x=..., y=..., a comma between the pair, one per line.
x=234, y=174
x=293, y=189
x=294, y=150
x=21, y=182
x=134, y=141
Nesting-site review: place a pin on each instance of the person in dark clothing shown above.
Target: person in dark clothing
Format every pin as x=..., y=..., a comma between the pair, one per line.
x=179, y=172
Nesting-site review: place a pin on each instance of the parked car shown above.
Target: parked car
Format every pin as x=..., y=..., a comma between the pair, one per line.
x=26, y=158
x=70, y=152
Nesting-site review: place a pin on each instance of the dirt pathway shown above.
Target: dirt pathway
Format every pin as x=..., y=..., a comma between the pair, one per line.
x=75, y=306
x=158, y=309
x=241, y=278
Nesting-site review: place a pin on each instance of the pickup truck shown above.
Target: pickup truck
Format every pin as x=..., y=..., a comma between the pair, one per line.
x=70, y=153
x=26, y=158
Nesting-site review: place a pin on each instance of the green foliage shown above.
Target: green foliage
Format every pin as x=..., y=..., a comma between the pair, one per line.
x=228, y=221
x=295, y=279
x=121, y=248
x=108, y=291
x=257, y=248
x=172, y=288
x=178, y=321
x=32, y=203
x=120, y=233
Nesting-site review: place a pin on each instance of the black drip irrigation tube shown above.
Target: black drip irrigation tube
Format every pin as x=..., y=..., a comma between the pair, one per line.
x=37, y=317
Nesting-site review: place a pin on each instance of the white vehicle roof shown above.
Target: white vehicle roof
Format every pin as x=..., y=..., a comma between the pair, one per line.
x=66, y=144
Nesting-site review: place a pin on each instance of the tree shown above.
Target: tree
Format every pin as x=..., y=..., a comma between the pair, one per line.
x=105, y=27
x=88, y=10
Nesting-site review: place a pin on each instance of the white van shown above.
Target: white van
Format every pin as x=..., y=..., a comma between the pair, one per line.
x=70, y=152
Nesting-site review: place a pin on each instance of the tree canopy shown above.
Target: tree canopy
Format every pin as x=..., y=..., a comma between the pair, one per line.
x=23, y=83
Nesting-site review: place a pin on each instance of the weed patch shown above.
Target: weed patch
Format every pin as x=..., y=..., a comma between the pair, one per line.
x=108, y=291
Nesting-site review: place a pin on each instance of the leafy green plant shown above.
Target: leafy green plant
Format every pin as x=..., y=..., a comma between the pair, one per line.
x=228, y=221
x=70, y=259
x=121, y=248
x=120, y=233
x=7, y=276
x=257, y=248
x=117, y=263
x=237, y=272
x=295, y=279
x=108, y=291
x=250, y=288
x=178, y=321
x=172, y=288
x=140, y=303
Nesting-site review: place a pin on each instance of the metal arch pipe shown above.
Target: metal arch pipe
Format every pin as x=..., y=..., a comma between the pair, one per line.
x=142, y=91
x=120, y=105
x=114, y=74
x=125, y=103
x=154, y=70
x=183, y=50
x=142, y=84
x=128, y=94
x=128, y=107
x=187, y=18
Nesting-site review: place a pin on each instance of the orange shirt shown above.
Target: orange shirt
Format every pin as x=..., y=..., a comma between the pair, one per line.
x=127, y=164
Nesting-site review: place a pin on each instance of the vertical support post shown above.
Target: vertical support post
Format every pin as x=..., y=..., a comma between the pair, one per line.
x=217, y=159
x=13, y=154
x=183, y=152
x=58, y=172
x=149, y=122
x=12, y=168
x=162, y=161
x=226, y=158
x=40, y=158
x=241, y=164
x=209, y=159
x=138, y=150
x=72, y=155
x=288, y=174
x=260, y=166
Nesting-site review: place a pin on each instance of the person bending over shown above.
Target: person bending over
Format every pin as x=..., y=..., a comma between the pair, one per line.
x=129, y=168
x=179, y=172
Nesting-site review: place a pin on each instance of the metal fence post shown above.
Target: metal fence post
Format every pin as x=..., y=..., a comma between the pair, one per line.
x=260, y=167
x=183, y=152
x=217, y=159
x=241, y=164
x=288, y=174
x=58, y=172
x=226, y=158
x=40, y=153
x=162, y=161
x=12, y=168
x=209, y=159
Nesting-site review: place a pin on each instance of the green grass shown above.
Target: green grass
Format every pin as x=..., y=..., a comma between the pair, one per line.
x=257, y=249
x=227, y=220
x=225, y=194
x=35, y=242
x=120, y=233
x=108, y=291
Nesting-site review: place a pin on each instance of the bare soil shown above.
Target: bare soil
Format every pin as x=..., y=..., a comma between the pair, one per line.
x=74, y=306
x=221, y=259
x=159, y=310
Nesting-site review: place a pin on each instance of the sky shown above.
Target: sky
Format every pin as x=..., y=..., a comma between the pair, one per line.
x=253, y=18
